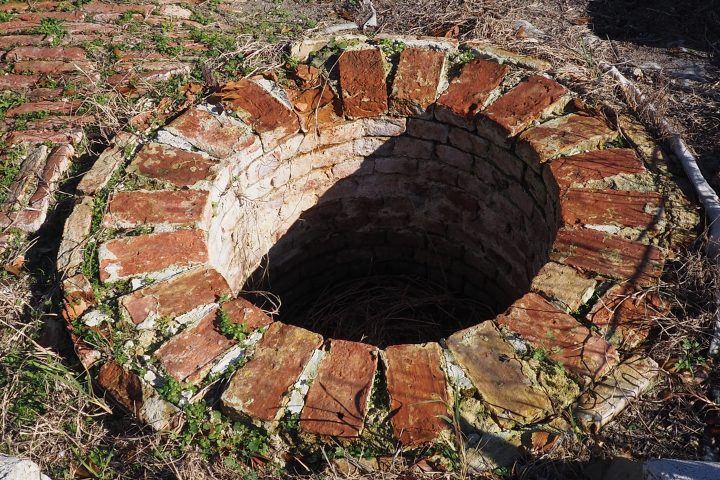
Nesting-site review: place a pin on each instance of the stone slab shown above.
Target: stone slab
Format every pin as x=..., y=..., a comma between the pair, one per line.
x=418, y=392
x=337, y=401
x=467, y=94
x=611, y=207
x=494, y=369
x=564, y=284
x=417, y=80
x=669, y=469
x=106, y=164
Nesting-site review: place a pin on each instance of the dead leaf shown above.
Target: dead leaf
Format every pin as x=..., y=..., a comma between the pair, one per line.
x=15, y=267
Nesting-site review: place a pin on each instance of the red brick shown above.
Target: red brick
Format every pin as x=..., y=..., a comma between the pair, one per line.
x=418, y=392
x=609, y=255
x=61, y=122
x=51, y=107
x=86, y=27
x=543, y=325
x=208, y=133
x=51, y=67
x=417, y=80
x=17, y=82
x=123, y=385
x=10, y=41
x=242, y=312
x=337, y=401
x=518, y=108
x=45, y=53
x=267, y=115
x=562, y=136
x=22, y=6
x=258, y=389
x=17, y=26
x=362, y=83
x=103, y=7
x=597, y=165
x=610, y=207
x=189, y=355
x=37, y=17
x=466, y=95
x=181, y=207
x=153, y=253
x=67, y=136
x=175, y=296
x=170, y=164
x=495, y=370
x=626, y=315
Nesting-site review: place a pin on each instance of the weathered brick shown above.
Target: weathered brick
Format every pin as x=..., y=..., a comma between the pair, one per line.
x=610, y=255
x=153, y=253
x=517, y=109
x=625, y=315
x=262, y=109
x=37, y=17
x=76, y=232
x=427, y=130
x=259, y=389
x=45, y=53
x=564, y=284
x=610, y=207
x=159, y=207
x=9, y=41
x=417, y=80
x=337, y=401
x=103, y=7
x=218, y=137
x=467, y=94
x=584, y=167
x=175, y=296
x=362, y=83
x=170, y=164
x=418, y=392
x=315, y=100
x=543, y=325
x=12, y=81
x=51, y=67
x=242, y=312
x=563, y=136
x=70, y=136
x=51, y=107
x=494, y=369
x=188, y=356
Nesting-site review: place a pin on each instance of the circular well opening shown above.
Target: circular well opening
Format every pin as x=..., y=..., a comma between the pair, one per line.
x=410, y=243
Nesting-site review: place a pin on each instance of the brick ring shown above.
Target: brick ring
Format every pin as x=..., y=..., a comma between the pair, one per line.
x=371, y=152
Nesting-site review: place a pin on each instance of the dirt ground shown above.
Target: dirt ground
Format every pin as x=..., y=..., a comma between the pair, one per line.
x=670, y=49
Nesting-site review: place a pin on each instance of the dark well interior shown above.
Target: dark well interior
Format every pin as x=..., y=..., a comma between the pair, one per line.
x=420, y=241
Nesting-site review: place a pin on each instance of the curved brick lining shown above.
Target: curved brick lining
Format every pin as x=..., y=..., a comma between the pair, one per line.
x=514, y=184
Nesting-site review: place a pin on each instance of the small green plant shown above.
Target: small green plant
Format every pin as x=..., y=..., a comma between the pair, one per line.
x=5, y=17
x=22, y=120
x=96, y=462
x=52, y=27
x=236, y=331
x=10, y=164
x=391, y=48
x=691, y=356
x=463, y=56
x=8, y=100
x=171, y=390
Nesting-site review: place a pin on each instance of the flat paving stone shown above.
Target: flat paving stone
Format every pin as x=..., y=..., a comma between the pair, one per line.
x=174, y=165
x=418, y=392
x=494, y=369
x=362, y=83
x=611, y=207
x=543, y=325
x=258, y=390
x=337, y=401
x=576, y=170
x=176, y=295
x=417, y=80
x=158, y=207
x=610, y=255
x=146, y=254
